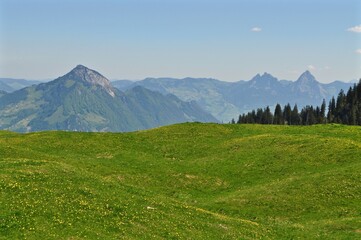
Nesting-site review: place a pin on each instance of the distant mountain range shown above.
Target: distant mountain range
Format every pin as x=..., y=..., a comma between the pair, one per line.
x=2, y=93
x=84, y=100
x=226, y=100
x=11, y=84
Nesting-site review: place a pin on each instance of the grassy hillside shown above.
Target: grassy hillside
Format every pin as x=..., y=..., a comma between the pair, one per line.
x=186, y=181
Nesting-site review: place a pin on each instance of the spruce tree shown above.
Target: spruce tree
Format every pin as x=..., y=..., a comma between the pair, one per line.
x=268, y=117
x=322, y=118
x=278, y=115
x=331, y=110
x=287, y=112
x=295, y=117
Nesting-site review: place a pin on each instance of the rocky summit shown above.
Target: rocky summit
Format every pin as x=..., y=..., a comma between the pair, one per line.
x=82, y=73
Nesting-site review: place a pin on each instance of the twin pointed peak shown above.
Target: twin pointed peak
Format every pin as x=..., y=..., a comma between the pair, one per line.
x=264, y=77
x=305, y=77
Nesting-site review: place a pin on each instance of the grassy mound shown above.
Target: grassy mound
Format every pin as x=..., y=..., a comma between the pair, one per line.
x=185, y=181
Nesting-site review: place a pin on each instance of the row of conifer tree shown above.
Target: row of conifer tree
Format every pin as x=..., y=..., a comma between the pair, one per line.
x=345, y=109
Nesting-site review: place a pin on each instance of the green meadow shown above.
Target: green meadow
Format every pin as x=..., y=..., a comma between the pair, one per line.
x=185, y=181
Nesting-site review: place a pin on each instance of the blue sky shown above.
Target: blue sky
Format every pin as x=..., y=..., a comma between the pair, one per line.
x=225, y=39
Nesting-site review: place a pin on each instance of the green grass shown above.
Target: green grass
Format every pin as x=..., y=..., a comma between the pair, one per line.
x=186, y=181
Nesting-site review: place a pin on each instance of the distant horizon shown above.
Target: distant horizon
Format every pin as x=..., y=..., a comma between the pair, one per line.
x=182, y=78
x=228, y=40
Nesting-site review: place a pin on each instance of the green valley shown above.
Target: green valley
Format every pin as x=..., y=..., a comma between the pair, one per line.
x=184, y=181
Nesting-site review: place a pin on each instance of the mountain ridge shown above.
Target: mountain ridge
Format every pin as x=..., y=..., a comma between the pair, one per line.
x=12, y=84
x=84, y=100
x=226, y=100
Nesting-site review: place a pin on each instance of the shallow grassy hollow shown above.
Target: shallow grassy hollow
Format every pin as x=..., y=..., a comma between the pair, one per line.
x=185, y=181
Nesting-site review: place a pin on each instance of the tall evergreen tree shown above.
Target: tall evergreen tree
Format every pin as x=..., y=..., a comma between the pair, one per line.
x=278, y=115
x=322, y=118
x=331, y=110
x=259, y=115
x=267, y=116
x=340, y=116
x=295, y=116
x=287, y=113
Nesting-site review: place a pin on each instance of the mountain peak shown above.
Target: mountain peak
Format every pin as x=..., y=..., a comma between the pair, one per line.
x=264, y=81
x=80, y=67
x=257, y=76
x=84, y=74
x=265, y=77
x=266, y=74
x=307, y=77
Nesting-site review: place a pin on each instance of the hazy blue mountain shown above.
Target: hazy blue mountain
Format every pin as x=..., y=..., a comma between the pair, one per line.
x=334, y=87
x=261, y=90
x=267, y=90
x=226, y=100
x=351, y=81
x=306, y=87
x=155, y=107
x=2, y=93
x=121, y=84
x=84, y=100
x=11, y=84
x=4, y=87
x=208, y=93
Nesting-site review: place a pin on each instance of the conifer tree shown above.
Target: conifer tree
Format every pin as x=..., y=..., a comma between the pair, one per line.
x=278, y=115
x=331, y=110
x=322, y=118
x=295, y=118
x=259, y=115
x=267, y=116
x=287, y=114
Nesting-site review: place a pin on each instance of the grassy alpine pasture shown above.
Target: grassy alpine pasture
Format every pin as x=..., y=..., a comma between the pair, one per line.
x=185, y=181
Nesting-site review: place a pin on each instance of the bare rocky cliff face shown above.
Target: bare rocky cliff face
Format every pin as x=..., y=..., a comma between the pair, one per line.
x=82, y=73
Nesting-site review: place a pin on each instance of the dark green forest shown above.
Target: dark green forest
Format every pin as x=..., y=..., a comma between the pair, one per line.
x=345, y=109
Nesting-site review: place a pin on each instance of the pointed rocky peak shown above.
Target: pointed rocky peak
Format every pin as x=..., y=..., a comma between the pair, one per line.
x=255, y=78
x=267, y=75
x=307, y=84
x=80, y=67
x=84, y=74
x=307, y=78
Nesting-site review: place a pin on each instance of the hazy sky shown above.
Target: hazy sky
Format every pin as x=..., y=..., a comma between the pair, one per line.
x=223, y=39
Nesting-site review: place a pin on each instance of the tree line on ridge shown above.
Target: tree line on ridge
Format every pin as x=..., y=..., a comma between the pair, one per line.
x=345, y=109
